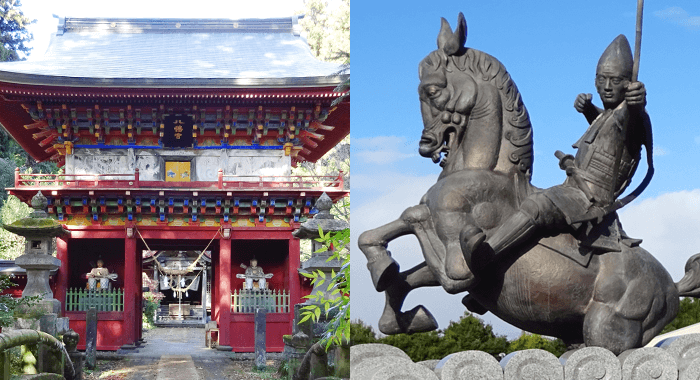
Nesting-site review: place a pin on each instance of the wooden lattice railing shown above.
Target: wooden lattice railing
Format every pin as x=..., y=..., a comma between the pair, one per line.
x=246, y=301
x=23, y=180
x=78, y=299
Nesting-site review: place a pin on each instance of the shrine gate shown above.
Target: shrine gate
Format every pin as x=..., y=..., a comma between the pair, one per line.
x=175, y=135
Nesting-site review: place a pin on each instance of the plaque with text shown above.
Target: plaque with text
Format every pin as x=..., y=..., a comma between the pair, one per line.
x=177, y=131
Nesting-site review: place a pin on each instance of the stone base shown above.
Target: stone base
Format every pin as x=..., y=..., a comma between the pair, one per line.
x=43, y=307
x=224, y=348
x=293, y=352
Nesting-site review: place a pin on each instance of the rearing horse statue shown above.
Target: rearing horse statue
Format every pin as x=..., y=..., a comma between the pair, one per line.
x=477, y=128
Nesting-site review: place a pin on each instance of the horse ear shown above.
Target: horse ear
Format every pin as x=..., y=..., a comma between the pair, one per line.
x=450, y=42
x=461, y=32
x=445, y=34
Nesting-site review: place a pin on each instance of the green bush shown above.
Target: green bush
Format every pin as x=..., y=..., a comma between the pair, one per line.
x=149, y=312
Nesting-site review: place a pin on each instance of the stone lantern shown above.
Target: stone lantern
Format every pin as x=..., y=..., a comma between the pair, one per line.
x=309, y=230
x=303, y=334
x=39, y=231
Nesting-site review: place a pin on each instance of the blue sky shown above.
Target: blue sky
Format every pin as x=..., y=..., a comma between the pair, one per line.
x=550, y=49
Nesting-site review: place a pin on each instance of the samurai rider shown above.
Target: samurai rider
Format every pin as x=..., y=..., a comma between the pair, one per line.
x=606, y=160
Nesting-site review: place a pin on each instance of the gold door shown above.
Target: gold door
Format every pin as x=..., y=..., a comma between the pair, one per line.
x=176, y=171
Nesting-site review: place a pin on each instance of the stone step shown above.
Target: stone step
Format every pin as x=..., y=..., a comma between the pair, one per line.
x=176, y=367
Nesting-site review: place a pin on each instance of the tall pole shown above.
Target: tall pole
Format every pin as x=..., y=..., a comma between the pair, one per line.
x=638, y=40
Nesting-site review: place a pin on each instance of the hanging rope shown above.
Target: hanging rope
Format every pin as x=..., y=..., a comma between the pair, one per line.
x=179, y=272
x=190, y=268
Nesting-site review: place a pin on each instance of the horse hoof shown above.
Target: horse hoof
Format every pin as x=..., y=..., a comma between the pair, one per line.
x=416, y=320
x=384, y=271
x=419, y=319
x=473, y=305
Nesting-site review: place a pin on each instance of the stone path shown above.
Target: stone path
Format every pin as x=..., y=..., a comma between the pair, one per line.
x=177, y=341
x=176, y=367
x=174, y=349
x=179, y=353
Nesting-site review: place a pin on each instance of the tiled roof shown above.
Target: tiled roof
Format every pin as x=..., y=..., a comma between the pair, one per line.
x=175, y=53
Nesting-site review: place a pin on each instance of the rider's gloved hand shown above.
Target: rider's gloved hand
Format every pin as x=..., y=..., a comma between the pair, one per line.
x=636, y=94
x=583, y=102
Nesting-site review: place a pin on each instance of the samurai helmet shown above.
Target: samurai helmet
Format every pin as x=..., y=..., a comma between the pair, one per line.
x=618, y=55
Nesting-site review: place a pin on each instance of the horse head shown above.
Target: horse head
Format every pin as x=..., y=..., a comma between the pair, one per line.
x=469, y=106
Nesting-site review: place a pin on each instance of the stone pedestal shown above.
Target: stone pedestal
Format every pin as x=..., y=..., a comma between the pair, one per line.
x=260, y=336
x=50, y=360
x=295, y=347
x=70, y=338
x=91, y=337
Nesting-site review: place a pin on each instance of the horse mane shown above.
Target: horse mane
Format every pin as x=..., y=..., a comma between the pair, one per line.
x=517, y=129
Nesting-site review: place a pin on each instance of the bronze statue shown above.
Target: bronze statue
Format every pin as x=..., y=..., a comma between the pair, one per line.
x=551, y=261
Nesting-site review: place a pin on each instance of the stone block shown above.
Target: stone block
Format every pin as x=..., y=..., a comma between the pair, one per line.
x=591, y=363
x=469, y=365
x=648, y=363
x=691, y=371
x=404, y=371
x=50, y=360
x=369, y=366
x=430, y=364
x=362, y=352
x=532, y=365
x=684, y=349
x=62, y=325
x=26, y=323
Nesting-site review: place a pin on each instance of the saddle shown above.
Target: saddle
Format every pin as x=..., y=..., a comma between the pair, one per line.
x=591, y=239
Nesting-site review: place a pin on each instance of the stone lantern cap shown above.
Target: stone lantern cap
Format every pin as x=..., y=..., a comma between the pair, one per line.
x=324, y=218
x=37, y=224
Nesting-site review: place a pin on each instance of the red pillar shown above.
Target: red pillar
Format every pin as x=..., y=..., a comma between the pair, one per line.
x=131, y=292
x=139, y=294
x=214, y=287
x=223, y=292
x=294, y=281
x=63, y=273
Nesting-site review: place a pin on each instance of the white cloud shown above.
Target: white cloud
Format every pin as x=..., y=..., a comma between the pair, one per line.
x=383, y=149
x=679, y=16
x=669, y=226
x=660, y=151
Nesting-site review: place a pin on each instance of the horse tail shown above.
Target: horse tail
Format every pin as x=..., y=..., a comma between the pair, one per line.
x=689, y=285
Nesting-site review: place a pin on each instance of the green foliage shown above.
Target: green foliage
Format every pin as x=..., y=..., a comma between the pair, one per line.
x=327, y=30
x=13, y=29
x=688, y=314
x=469, y=333
x=419, y=346
x=361, y=333
x=151, y=300
x=8, y=304
x=11, y=245
x=287, y=368
x=338, y=287
x=528, y=341
x=11, y=209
